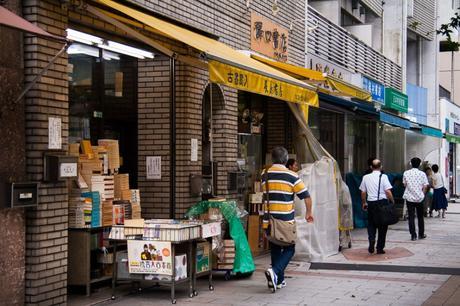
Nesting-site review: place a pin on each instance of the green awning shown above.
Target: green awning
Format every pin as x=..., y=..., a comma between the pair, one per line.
x=429, y=131
x=453, y=138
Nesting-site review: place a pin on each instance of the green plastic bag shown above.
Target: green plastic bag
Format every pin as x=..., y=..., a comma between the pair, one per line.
x=244, y=262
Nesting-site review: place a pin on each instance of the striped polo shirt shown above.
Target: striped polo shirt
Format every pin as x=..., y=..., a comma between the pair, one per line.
x=283, y=184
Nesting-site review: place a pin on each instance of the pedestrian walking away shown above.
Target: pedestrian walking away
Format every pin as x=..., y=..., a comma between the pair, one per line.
x=428, y=203
x=416, y=183
x=375, y=187
x=439, y=193
x=280, y=186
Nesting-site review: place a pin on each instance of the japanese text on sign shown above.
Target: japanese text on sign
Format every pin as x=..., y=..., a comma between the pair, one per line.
x=269, y=38
x=153, y=164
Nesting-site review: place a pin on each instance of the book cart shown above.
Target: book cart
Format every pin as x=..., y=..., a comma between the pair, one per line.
x=152, y=254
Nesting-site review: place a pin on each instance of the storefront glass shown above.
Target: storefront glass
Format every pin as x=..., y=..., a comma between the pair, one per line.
x=328, y=128
x=103, y=101
x=361, y=144
x=392, y=147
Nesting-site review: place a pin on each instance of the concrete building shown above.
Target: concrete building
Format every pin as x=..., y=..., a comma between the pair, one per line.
x=392, y=44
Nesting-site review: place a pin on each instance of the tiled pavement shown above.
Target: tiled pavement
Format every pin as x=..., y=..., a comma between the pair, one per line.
x=336, y=287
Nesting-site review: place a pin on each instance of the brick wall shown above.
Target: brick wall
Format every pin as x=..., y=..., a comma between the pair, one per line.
x=230, y=20
x=46, y=235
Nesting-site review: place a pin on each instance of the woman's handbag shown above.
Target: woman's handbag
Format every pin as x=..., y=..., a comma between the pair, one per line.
x=384, y=211
x=282, y=233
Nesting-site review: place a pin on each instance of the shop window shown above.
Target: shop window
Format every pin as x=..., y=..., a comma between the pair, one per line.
x=103, y=100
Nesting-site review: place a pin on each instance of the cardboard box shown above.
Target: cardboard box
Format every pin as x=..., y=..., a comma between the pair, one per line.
x=202, y=257
x=253, y=233
x=210, y=229
x=181, y=270
x=256, y=197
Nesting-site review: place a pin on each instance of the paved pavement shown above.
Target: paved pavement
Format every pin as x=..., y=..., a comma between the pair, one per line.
x=337, y=287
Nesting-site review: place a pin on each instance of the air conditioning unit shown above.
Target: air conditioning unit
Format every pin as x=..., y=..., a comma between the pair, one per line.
x=410, y=8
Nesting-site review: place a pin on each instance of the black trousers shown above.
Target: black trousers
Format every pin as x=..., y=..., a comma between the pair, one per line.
x=413, y=207
x=372, y=229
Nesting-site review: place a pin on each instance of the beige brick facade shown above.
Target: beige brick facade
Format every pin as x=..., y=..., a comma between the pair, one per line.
x=46, y=233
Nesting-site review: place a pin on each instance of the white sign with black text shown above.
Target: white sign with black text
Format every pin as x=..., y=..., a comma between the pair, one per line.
x=54, y=133
x=153, y=164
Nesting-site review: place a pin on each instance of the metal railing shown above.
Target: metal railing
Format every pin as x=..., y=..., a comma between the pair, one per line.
x=333, y=43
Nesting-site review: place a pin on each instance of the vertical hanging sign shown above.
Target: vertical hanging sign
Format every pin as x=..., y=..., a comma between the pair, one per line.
x=153, y=165
x=54, y=133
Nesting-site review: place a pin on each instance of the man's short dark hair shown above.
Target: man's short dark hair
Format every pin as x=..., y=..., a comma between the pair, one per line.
x=290, y=162
x=415, y=162
x=435, y=168
x=280, y=155
x=376, y=164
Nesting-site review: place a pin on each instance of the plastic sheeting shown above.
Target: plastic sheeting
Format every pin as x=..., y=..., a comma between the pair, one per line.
x=244, y=262
x=320, y=239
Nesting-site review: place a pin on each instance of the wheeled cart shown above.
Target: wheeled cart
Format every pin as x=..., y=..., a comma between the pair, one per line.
x=153, y=255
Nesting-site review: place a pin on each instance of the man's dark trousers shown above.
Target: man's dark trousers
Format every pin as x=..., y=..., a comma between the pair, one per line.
x=372, y=228
x=280, y=259
x=411, y=208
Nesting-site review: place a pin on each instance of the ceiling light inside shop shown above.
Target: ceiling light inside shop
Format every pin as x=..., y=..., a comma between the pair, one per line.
x=83, y=37
x=124, y=49
x=107, y=44
x=77, y=48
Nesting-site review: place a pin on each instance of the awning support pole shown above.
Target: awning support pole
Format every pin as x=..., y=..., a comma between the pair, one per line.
x=172, y=138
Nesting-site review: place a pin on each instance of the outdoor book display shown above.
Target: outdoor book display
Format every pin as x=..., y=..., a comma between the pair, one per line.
x=100, y=198
x=163, y=251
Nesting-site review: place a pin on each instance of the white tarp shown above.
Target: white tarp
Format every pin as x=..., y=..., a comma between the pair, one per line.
x=320, y=239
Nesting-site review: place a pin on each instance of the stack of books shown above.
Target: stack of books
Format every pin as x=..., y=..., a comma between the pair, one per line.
x=104, y=185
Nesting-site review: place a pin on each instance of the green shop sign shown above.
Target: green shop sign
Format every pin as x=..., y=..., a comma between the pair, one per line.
x=396, y=100
x=452, y=138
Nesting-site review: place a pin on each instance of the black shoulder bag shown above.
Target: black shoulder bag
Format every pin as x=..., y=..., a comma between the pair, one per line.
x=385, y=212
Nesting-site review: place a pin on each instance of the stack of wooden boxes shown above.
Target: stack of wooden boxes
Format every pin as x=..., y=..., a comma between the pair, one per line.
x=226, y=257
x=256, y=238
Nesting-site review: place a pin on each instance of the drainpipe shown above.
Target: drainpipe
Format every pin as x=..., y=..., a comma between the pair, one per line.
x=404, y=45
x=172, y=116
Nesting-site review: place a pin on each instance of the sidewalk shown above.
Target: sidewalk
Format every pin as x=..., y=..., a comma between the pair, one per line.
x=352, y=285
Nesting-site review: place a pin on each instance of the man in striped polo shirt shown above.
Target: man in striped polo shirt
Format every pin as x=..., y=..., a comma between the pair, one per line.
x=283, y=184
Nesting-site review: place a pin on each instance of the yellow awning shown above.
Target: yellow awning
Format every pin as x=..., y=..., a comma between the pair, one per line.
x=223, y=61
x=331, y=85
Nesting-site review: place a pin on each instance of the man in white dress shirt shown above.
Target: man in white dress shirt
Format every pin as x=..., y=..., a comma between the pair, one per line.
x=374, y=188
x=416, y=184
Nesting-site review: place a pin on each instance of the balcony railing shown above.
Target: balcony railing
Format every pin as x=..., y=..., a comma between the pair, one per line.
x=333, y=43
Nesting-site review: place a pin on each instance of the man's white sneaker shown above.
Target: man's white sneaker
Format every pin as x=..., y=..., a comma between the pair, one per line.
x=271, y=279
x=282, y=285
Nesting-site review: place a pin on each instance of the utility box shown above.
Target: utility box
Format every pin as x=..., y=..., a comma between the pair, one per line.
x=59, y=167
x=17, y=195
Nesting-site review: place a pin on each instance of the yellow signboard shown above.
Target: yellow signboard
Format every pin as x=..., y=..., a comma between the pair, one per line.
x=253, y=82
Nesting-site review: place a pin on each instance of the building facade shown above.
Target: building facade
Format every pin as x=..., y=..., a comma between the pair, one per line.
x=100, y=93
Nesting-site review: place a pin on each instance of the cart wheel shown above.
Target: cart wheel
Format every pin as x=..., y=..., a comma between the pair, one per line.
x=349, y=245
x=211, y=288
x=227, y=275
x=173, y=301
x=195, y=293
x=113, y=297
x=190, y=295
